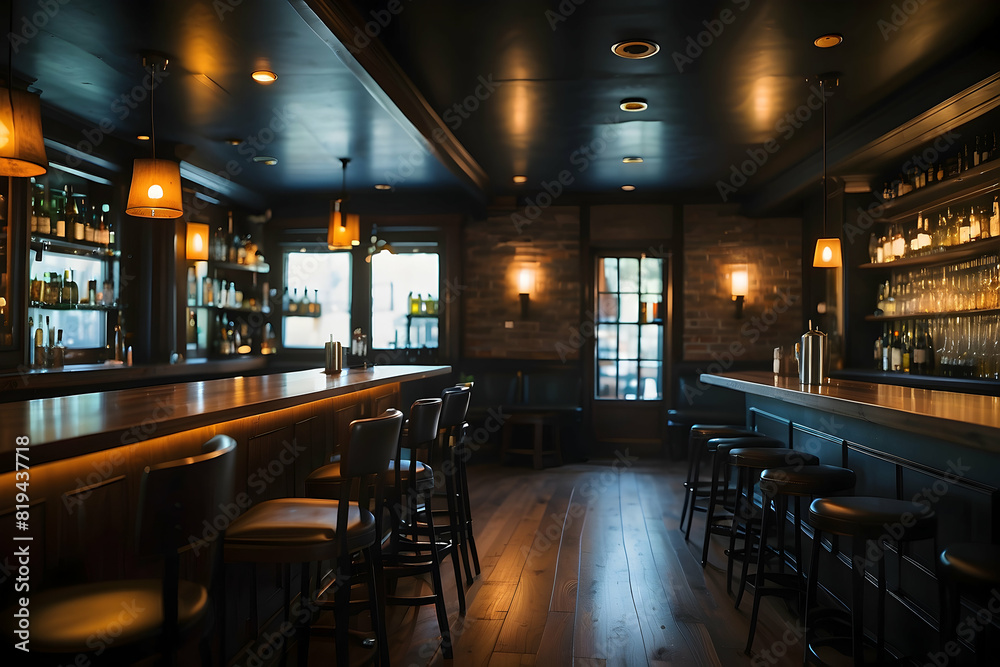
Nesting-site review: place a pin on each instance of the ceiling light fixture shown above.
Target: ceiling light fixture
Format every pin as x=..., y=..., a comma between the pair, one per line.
x=142, y=137
x=633, y=104
x=628, y=188
x=632, y=160
x=635, y=49
x=156, y=184
x=233, y=141
x=829, y=40
x=343, y=229
x=264, y=77
x=22, y=148
x=383, y=186
x=520, y=179
x=828, y=253
x=265, y=159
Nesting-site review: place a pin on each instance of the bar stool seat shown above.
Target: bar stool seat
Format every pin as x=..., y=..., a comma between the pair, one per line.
x=973, y=569
x=698, y=438
x=778, y=485
x=862, y=518
x=296, y=530
x=971, y=563
x=329, y=476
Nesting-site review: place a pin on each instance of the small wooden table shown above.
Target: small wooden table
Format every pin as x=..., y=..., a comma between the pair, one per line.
x=538, y=420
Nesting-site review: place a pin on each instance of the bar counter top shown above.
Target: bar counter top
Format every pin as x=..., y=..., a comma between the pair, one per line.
x=69, y=426
x=962, y=418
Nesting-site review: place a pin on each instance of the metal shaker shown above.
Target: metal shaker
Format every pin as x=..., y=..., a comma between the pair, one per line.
x=814, y=357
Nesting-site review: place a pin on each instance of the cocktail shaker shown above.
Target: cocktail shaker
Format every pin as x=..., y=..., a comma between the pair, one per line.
x=814, y=357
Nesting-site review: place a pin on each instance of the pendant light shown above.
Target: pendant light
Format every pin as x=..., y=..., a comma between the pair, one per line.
x=828, y=254
x=22, y=149
x=156, y=184
x=343, y=229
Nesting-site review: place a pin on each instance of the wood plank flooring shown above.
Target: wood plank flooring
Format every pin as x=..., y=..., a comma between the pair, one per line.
x=583, y=565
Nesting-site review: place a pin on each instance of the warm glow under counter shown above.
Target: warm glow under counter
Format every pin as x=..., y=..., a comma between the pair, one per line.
x=69, y=426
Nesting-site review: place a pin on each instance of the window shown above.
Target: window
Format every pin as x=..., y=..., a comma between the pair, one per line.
x=629, y=328
x=317, y=299
x=405, y=300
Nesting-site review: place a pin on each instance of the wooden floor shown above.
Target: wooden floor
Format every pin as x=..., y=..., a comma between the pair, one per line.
x=584, y=565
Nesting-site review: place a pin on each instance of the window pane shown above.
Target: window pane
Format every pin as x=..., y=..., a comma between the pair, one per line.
x=607, y=272
x=628, y=380
x=650, y=342
x=607, y=306
x=628, y=341
x=606, y=374
x=327, y=278
x=652, y=275
x=649, y=380
x=607, y=341
x=405, y=300
x=629, y=308
x=628, y=274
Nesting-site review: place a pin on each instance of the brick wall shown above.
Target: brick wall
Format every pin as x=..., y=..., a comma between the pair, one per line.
x=494, y=252
x=715, y=239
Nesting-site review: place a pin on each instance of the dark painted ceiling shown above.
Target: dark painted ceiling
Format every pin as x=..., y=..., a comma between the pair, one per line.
x=552, y=103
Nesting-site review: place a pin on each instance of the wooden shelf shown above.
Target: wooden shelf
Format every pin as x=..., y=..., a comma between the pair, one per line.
x=949, y=256
x=970, y=183
x=930, y=316
x=73, y=306
x=69, y=247
x=232, y=266
x=298, y=314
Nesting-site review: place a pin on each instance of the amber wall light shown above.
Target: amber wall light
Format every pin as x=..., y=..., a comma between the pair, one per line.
x=739, y=286
x=197, y=242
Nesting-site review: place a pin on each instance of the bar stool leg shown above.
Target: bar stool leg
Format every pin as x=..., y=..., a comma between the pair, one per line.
x=811, y=588
x=748, y=532
x=880, y=609
x=710, y=509
x=738, y=511
x=693, y=491
x=858, y=601
x=758, y=576
x=687, y=482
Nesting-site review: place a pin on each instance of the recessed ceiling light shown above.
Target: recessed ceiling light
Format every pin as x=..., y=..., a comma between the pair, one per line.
x=635, y=49
x=628, y=188
x=829, y=40
x=233, y=141
x=633, y=104
x=383, y=186
x=632, y=160
x=143, y=137
x=520, y=179
x=265, y=159
x=264, y=76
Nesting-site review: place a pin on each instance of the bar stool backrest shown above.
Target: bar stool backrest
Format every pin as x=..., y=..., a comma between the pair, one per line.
x=455, y=406
x=177, y=497
x=372, y=445
x=425, y=414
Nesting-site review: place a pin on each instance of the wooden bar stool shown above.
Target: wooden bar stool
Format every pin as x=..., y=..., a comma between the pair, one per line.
x=175, y=499
x=698, y=448
x=719, y=449
x=749, y=461
x=777, y=485
x=309, y=530
x=975, y=569
x=453, y=453
x=863, y=519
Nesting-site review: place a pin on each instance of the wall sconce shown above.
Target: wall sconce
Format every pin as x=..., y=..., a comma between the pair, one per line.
x=740, y=285
x=525, y=286
x=196, y=248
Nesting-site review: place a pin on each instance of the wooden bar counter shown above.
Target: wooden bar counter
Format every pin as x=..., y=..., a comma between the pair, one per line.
x=87, y=453
x=938, y=449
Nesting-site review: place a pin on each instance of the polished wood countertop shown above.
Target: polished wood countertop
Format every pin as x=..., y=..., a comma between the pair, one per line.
x=73, y=425
x=962, y=418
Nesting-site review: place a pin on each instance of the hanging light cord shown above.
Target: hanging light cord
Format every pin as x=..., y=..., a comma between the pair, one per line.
x=152, y=115
x=822, y=87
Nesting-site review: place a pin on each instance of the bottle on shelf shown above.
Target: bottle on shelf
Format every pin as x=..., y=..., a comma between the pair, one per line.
x=59, y=351
x=63, y=212
x=305, y=306
x=70, y=290
x=285, y=301
x=906, y=352
x=895, y=352
x=75, y=218
x=109, y=234
x=293, y=304
x=314, y=307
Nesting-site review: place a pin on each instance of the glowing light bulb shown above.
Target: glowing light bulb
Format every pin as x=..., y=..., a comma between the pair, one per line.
x=198, y=243
x=827, y=253
x=155, y=191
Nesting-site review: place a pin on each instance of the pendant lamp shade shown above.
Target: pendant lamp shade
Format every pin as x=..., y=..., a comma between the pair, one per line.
x=344, y=229
x=22, y=149
x=828, y=254
x=156, y=189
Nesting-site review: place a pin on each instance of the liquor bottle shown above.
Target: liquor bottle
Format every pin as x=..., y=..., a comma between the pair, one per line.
x=192, y=282
x=898, y=244
x=939, y=176
x=963, y=228
x=230, y=242
x=91, y=231
x=285, y=301
x=929, y=175
x=62, y=213
x=109, y=223
x=75, y=219
x=207, y=291
x=71, y=291
x=878, y=353
x=995, y=218
x=293, y=304
x=223, y=338
x=887, y=246
x=906, y=350
x=977, y=154
x=305, y=307
x=929, y=344
x=315, y=302
x=896, y=352
x=59, y=351
x=35, y=209
x=975, y=224
x=101, y=230
x=39, y=359
x=918, y=363
x=886, y=348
